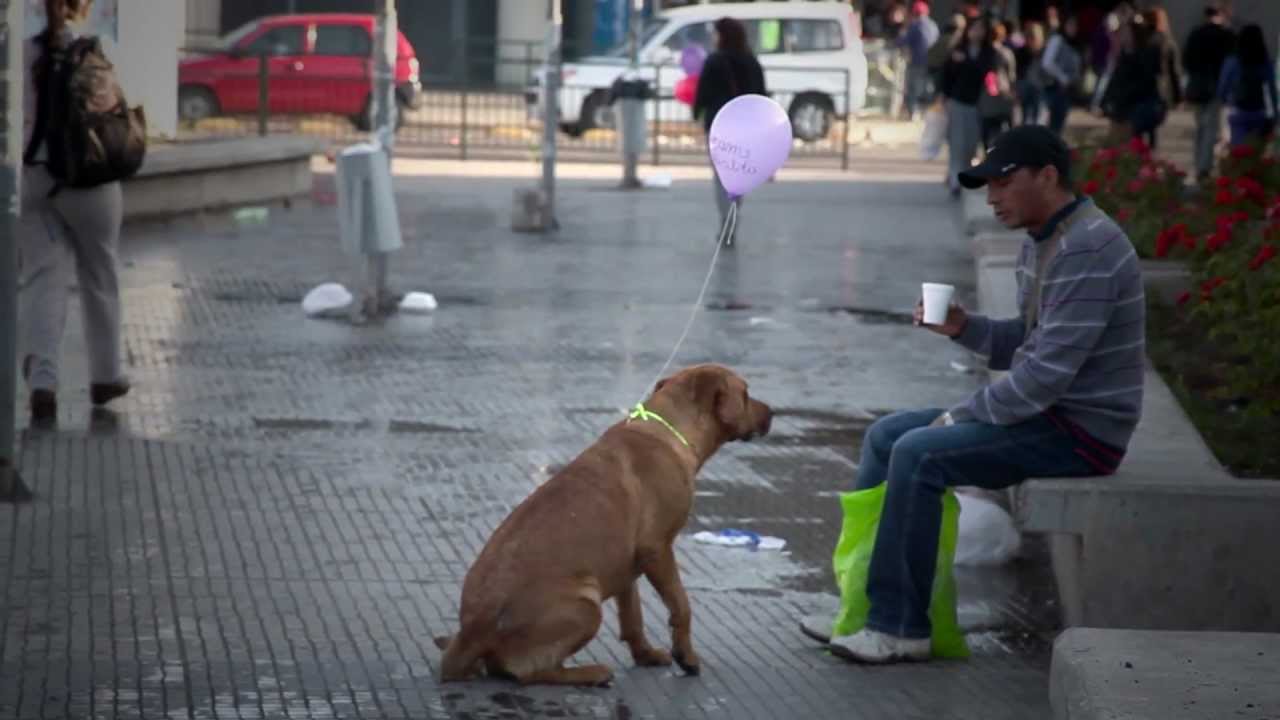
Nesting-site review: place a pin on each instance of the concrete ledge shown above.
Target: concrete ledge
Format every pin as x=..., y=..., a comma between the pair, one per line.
x=1171, y=541
x=1166, y=279
x=191, y=177
x=1142, y=675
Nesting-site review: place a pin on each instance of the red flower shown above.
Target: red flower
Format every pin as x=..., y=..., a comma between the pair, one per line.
x=1208, y=286
x=1217, y=240
x=1090, y=188
x=1224, y=197
x=1224, y=182
x=1108, y=155
x=1184, y=298
x=1138, y=147
x=1240, y=152
x=1124, y=214
x=1112, y=172
x=1175, y=235
x=1136, y=186
x=1267, y=252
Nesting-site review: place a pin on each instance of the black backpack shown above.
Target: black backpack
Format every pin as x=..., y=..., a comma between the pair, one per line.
x=90, y=134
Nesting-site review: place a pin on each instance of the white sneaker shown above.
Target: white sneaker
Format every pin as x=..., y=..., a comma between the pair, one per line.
x=818, y=627
x=869, y=646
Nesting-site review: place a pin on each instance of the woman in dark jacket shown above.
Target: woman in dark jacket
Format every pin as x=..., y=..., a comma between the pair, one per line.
x=963, y=83
x=1147, y=80
x=731, y=70
x=1248, y=87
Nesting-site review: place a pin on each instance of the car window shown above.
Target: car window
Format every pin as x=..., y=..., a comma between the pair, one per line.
x=343, y=40
x=282, y=40
x=691, y=34
x=765, y=36
x=804, y=36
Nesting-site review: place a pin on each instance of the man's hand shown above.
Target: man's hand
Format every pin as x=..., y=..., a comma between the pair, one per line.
x=957, y=318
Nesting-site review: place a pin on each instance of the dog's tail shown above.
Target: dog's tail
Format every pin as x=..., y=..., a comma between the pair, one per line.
x=463, y=654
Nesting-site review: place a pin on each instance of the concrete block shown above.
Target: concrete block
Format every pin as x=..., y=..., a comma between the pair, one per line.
x=193, y=177
x=1143, y=675
x=1166, y=279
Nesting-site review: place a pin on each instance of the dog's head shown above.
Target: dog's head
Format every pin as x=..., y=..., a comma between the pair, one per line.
x=722, y=396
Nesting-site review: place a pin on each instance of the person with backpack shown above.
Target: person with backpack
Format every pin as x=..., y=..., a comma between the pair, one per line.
x=81, y=140
x=1206, y=51
x=1061, y=65
x=1248, y=88
x=730, y=71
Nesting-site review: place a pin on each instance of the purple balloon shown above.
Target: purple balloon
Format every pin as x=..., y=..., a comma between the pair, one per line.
x=750, y=139
x=692, y=58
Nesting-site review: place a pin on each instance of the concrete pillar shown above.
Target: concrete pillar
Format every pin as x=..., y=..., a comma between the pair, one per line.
x=146, y=58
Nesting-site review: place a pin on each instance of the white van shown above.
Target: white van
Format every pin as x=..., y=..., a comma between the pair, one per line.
x=811, y=53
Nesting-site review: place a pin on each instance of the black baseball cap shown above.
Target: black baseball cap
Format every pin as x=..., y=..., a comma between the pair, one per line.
x=1026, y=146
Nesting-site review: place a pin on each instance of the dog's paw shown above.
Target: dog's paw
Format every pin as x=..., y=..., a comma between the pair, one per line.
x=688, y=661
x=652, y=657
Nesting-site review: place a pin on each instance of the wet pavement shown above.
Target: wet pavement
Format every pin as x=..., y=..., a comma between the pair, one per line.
x=277, y=520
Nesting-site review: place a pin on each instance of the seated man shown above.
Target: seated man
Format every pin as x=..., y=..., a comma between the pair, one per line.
x=1067, y=407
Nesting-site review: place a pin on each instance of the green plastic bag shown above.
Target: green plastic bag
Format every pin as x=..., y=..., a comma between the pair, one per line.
x=852, y=559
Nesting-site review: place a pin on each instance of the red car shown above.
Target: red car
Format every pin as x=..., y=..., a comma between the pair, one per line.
x=316, y=64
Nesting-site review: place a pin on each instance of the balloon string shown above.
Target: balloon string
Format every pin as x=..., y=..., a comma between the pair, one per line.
x=726, y=238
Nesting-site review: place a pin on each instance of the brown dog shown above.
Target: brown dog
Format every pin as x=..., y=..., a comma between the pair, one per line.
x=533, y=597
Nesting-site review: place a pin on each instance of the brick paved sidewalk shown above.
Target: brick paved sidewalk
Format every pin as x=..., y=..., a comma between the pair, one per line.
x=278, y=520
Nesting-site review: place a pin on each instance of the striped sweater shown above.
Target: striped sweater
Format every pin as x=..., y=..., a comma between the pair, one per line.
x=1083, y=361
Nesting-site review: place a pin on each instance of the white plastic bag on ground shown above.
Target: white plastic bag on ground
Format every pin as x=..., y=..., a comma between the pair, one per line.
x=418, y=303
x=327, y=300
x=987, y=533
x=934, y=136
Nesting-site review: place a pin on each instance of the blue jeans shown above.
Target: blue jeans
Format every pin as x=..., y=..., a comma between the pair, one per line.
x=919, y=463
x=1059, y=103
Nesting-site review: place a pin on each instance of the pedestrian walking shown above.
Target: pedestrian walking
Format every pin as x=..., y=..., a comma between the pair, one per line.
x=1062, y=66
x=69, y=221
x=964, y=80
x=998, y=100
x=730, y=70
x=1206, y=51
x=921, y=35
x=1248, y=88
x=1031, y=77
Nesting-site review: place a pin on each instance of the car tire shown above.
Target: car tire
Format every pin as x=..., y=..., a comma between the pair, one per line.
x=812, y=115
x=196, y=103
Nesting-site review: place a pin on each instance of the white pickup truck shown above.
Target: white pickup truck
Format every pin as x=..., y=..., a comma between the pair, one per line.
x=811, y=53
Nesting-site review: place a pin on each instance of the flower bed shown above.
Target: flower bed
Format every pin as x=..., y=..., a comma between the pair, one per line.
x=1219, y=346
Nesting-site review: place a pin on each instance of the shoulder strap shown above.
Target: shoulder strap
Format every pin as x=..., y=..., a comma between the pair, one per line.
x=1046, y=251
x=44, y=100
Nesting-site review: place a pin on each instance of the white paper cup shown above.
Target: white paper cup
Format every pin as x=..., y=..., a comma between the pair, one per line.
x=937, y=299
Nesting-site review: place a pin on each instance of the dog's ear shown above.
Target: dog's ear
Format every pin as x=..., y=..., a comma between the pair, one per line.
x=731, y=404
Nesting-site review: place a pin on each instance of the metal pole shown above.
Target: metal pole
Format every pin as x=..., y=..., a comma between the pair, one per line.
x=385, y=50
x=551, y=113
x=11, y=35
x=848, y=120
x=625, y=115
x=264, y=93
x=657, y=111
